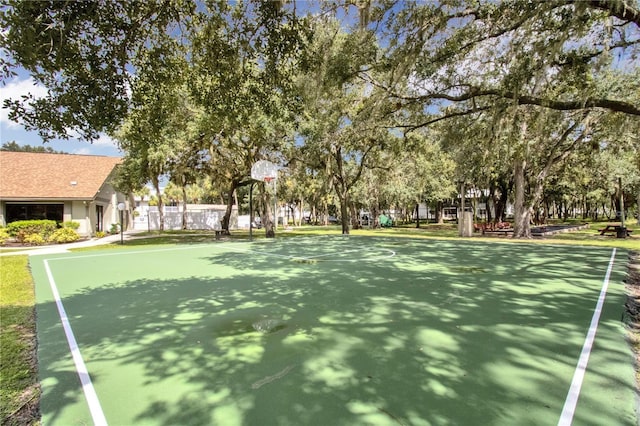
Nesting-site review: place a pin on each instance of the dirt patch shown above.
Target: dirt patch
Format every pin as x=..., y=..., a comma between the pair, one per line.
x=632, y=308
x=28, y=412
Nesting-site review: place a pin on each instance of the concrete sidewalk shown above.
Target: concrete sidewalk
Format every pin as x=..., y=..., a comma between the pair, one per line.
x=64, y=248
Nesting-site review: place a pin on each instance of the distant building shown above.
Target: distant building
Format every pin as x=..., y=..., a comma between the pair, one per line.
x=60, y=187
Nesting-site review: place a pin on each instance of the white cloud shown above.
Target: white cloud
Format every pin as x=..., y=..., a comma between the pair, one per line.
x=15, y=89
x=105, y=140
x=83, y=151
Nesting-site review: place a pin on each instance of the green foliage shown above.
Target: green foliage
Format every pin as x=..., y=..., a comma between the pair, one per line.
x=198, y=91
x=38, y=232
x=23, y=228
x=64, y=235
x=4, y=236
x=71, y=225
x=115, y=228
x=34, y=239
x=13, y=146
x=82, y=52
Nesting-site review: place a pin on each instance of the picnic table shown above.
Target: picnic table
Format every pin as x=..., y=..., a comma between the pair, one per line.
x=504, y=228
x=505, y=232
x=614, y=230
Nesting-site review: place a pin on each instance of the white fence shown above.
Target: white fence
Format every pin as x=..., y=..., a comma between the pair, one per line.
x=209, y=219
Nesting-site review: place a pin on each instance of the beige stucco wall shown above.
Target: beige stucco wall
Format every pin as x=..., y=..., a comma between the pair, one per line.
x=78, y=211
x=109, y=199
x=84, y=211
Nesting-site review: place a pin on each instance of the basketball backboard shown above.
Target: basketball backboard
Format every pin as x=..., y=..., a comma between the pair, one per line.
x=264, y=170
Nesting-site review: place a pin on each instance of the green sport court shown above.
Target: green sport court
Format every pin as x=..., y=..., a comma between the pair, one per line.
x=334, y=330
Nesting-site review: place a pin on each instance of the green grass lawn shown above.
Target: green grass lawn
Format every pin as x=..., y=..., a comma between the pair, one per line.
x=585, y=237
x=19, y=389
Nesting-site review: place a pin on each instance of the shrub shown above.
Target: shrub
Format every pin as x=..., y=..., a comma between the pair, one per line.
x=23, y=228
x=4, y=236
x=34, y=239
x=64, y=235
x=71, y=225
x=115, y=228
x=100, y=234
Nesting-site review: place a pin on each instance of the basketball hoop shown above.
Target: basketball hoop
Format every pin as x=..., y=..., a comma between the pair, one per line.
x=264, y=170
x=267, y=172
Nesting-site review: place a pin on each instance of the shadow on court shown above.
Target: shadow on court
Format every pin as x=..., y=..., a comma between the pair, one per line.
x=334, y=331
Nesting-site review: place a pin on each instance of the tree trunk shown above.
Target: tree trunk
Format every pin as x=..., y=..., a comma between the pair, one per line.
x=502, y=202
x=227, y=214
x=355, y=220
x=490, y=203
x=184, y=207
x=267, y=222
x=474, y=206
x=344, y=212
x=301, y=211
x=325, y=213
x=375, y=212
x=439, y=212
x=521, y=213
x=418, y=215
x=545, y=212
x=638, y=207
x=156, y=186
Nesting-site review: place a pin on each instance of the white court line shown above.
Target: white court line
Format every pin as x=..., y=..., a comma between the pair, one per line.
x=569, y=409
x=232, y=247
x=89, y=392
x=229, y=247
x=122, y=253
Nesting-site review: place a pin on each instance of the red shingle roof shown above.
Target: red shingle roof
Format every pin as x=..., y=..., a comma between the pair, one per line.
x=33, y=176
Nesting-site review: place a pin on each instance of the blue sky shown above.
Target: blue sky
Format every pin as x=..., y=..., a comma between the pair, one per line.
x=11, y=131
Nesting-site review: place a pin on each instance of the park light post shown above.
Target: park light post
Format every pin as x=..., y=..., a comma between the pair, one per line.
x=462, y=207
x=121, y=208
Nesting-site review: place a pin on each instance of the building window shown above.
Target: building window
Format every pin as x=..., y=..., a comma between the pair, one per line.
x=17, y=212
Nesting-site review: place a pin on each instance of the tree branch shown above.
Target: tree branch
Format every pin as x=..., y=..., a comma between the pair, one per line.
x=410, y=128
x=610, y=104
x=621, y=9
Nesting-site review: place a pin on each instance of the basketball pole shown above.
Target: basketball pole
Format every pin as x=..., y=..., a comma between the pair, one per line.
x=275, y=205
x=251, y=211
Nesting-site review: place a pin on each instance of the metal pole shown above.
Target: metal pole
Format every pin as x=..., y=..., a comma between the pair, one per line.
x=275, y=205
x=621, y=202
x=121, y=228
x=461, y=220
x=251, y=212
